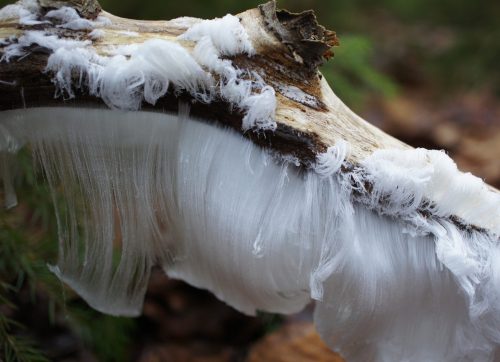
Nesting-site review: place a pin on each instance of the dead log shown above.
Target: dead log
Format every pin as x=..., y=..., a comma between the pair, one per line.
x=136, y=114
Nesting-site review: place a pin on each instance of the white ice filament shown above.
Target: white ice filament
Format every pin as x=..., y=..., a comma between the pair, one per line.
x=211, y=208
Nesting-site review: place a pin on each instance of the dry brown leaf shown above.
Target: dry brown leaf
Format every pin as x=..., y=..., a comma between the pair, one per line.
x=295, y=342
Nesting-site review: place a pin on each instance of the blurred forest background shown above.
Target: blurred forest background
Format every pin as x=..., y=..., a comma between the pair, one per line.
x=425, y=71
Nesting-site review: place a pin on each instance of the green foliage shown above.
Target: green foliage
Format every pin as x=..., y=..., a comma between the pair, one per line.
x=16, y=348
x=351, y=72
x=109, y=337
x=454, y=43
x=19, y=263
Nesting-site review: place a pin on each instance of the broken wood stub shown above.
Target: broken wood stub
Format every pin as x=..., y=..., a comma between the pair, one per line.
x=301, y=32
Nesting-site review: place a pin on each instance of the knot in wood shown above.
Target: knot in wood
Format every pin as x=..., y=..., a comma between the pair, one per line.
x=301, y=33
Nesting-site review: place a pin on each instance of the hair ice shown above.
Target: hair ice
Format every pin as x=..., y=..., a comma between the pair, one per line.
x=215, y=210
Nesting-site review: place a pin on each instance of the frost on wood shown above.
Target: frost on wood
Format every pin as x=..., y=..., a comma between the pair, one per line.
x=226, y=36
x=25, y=11
x=128, y=75
x=399, y=249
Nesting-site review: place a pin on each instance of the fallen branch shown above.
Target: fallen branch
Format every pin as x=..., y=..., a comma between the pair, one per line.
x=220, y=145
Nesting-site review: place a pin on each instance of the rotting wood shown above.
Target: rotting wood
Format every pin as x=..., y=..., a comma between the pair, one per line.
x=289, y=49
